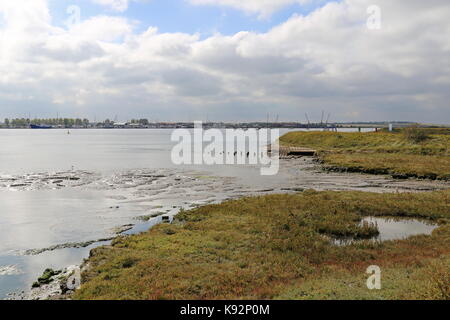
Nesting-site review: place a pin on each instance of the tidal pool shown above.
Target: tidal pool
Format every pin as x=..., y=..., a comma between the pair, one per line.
x=393, y=229
x=396, y=229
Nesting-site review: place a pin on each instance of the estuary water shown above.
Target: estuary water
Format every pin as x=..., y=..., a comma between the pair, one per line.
x=63, y=194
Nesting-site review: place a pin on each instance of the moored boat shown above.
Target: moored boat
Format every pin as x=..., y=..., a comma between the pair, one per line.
x=36, y=126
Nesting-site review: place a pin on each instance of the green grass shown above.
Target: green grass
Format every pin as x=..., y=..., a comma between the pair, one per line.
x=278, y=247
x=429, y=280
x=412, y=152
x=46, y=277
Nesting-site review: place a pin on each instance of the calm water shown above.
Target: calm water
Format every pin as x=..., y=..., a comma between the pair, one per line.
x=25, y=151
x=393, y=229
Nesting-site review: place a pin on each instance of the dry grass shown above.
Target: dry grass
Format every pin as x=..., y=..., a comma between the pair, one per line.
x=407, y=153
x=397, y=165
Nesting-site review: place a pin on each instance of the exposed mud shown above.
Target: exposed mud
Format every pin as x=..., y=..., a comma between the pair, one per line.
x=295, y=174
x=9, y=270
x=76, y=245
x=165, y=192
x=46, y=181
x=393, y=174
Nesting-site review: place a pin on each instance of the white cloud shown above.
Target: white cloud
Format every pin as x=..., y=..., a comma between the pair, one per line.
x=102, y=28
x=116, y=5
x=325, y=60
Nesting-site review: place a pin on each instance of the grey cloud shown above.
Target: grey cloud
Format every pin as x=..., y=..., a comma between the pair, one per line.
x=79, y=52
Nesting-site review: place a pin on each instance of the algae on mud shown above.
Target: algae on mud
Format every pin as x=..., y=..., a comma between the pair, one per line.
x=278, y=247
x=411, y=152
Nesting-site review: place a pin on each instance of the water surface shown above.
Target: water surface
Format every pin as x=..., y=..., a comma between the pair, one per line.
x=397, y=229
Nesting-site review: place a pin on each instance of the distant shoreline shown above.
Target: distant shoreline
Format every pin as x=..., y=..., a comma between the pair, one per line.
x=235, y=126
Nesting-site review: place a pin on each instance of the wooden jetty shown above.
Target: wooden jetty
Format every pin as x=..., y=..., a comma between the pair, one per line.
x=286, y=152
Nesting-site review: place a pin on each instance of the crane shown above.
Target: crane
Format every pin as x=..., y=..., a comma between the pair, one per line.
x=309, y=123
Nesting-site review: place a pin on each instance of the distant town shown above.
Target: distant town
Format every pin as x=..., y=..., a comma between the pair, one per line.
x=77, y=123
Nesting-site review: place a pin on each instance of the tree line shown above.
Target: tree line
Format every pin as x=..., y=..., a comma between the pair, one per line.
x=63, y=122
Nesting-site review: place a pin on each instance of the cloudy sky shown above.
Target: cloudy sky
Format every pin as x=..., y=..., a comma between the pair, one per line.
x=228, y=60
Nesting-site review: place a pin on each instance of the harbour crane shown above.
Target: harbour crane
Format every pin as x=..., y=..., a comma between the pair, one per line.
x=328, y=119
x=309, y=123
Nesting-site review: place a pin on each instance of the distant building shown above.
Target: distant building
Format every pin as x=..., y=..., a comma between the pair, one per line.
x=120, y=125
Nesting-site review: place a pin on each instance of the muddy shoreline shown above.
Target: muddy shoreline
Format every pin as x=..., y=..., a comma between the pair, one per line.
x=186, y=189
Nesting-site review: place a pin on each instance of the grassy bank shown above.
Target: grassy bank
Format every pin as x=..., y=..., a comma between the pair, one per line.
x=412, y=152
x=278, y=247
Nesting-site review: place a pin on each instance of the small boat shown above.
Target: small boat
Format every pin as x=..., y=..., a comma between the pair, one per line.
x=36, y=126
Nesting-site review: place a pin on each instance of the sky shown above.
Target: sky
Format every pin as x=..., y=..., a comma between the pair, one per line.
x=226, y=60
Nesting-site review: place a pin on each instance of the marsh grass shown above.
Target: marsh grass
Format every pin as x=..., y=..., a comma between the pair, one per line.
x=412, y=152
x=277, y=246
x=415, y=134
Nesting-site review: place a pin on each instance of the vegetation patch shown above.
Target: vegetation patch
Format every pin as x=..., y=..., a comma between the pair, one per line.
x=278, y=247
x=46, y=278
x=150, y=216
x=410, y=152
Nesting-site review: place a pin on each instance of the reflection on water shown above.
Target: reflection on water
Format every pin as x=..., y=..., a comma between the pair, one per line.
x=25, y=151
x=29, y=268
x=36, y=219
x=39, y=219
x=393, y=229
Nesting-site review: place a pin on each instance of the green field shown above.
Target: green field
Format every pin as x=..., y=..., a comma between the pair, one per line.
x=278, y=247
x=411, y=152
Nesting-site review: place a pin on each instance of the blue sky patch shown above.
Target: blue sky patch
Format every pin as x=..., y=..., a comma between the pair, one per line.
x=181, y=16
